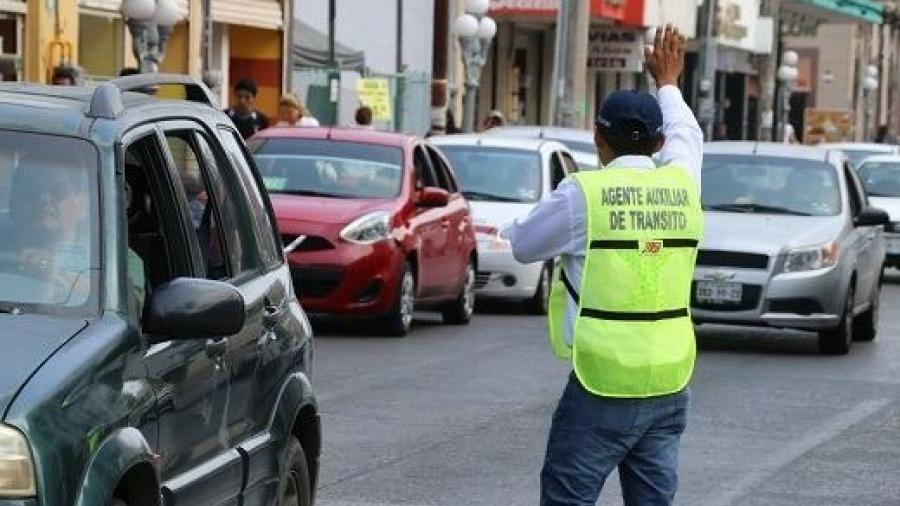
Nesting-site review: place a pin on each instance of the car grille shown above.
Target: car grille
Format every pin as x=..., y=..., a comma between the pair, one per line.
x=717, y=258
x=315, y=282
x=482, y=279
x=796, y=306
x=311, y=243
x=749, y=300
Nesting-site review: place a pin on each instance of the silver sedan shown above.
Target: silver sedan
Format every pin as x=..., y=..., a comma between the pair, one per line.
x=790, y=242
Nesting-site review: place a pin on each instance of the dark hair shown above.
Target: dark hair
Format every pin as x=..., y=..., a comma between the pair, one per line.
x=65, y=72
x=622, y=145
x=364, y=115
x=246, y=84
x=129, y=71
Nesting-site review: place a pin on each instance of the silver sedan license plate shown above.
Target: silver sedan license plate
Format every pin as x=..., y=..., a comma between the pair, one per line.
x=718, y=292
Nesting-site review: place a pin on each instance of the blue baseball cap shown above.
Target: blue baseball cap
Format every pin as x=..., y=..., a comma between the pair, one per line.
x=632, y=115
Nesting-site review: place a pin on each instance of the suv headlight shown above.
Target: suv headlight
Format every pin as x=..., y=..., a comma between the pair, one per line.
x=368, y=229
x=16, y=467
x=809, y=259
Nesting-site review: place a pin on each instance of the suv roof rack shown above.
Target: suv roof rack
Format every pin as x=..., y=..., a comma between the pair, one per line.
x=106, y=102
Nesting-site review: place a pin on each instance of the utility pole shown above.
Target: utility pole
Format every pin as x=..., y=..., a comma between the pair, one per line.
x=439, y=66
x=707, y=68
x=575, y=23
x=768, y=71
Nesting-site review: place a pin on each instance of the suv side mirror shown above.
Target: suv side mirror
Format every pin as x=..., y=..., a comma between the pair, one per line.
x=433, y=197
x=189, y=308
x=871, y=217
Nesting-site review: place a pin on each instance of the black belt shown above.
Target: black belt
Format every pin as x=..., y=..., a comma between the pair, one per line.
x=667, y=243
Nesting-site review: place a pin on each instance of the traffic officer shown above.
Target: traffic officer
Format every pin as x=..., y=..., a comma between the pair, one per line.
x=627, y=237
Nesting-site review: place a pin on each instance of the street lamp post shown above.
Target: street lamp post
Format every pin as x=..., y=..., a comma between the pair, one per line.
x=787, y=75
x=475, y=31
x=150, y=23
x=870, y=84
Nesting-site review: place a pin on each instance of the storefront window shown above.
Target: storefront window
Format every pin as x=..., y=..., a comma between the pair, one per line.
x=11, y=46
x=100, y=45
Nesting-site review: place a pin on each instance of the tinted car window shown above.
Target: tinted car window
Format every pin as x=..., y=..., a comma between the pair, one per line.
x=587, y=147
x=745, y=183
x=443, y=172
x=265, y=231
x=48, y=224
x=330, y=168
x=496, y=174
x=857, y=156
x=881, y=179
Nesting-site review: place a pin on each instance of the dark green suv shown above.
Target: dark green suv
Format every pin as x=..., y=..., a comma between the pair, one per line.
x=152, y=350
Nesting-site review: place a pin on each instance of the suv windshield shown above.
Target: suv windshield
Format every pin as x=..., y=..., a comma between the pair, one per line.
x=881, y=179
x=496, y=174
x=330, y=168
x=770, y=185
x=48, y=223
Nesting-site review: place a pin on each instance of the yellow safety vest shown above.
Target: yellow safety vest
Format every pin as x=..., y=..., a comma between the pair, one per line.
x=633, y=336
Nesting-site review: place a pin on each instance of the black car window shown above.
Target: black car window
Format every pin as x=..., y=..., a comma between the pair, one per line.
x=853, y=191
x=445, y=178
x=203, y=213
x=231, y=202
x=266, y=232
x=425, y=176
x=152, y=256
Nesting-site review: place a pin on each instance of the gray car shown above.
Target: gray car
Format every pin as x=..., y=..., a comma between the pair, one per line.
x=790, y=242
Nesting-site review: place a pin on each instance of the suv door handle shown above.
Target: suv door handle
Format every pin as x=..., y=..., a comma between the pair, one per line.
x=216, y=348
x=272, y=314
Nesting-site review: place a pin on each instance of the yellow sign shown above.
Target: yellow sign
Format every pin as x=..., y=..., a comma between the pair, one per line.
x=376, y=93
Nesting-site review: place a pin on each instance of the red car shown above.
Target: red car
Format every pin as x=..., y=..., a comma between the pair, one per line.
x=374, y=223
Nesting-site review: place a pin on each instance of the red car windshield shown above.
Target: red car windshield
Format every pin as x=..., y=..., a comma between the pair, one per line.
x=48, y=222
x=327, y=168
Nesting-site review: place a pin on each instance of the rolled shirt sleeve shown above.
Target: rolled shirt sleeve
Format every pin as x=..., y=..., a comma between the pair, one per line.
x=684, y=137
x=554, y=227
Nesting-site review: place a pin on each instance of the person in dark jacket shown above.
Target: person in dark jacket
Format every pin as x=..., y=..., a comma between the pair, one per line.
x=246, y=118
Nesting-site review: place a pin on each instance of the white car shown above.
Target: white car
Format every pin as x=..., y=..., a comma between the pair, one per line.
x=579, y=142
x=880, y=177
x=859, y=151
x=503, y=179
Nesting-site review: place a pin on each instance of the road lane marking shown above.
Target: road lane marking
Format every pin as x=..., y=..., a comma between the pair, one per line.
x=834, y=427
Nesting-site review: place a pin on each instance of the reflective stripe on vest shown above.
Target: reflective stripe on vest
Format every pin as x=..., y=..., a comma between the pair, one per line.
x=632, y=336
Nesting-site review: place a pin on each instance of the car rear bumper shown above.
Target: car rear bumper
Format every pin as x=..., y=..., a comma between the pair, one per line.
x=352, y=280
x=811, y=300
x=502, y=276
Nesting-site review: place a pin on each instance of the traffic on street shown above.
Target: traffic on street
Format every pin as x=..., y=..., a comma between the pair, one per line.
x=446, y=252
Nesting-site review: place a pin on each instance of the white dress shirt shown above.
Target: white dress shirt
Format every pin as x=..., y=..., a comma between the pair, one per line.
x=557, y=226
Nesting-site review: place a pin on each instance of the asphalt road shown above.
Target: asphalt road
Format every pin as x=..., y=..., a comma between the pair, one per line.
x=459, y=416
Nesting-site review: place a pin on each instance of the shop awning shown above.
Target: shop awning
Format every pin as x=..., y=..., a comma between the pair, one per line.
x=839, y=11
x=265, y=14
x=13, y=6
x=115, y=6
x=311, y=50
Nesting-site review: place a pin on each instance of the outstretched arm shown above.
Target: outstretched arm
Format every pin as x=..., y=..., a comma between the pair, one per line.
x=684, y=138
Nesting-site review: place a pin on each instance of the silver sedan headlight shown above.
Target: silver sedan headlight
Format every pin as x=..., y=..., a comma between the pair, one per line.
x=369, y=229
x=16, y=466
x=811, y=258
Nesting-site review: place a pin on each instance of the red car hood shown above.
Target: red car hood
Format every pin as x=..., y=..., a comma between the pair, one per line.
x=324, y=211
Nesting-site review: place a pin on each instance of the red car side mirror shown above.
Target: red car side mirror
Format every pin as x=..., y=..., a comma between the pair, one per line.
x=433, y=197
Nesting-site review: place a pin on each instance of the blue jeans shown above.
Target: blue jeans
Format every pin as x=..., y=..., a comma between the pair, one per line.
x=591, y=435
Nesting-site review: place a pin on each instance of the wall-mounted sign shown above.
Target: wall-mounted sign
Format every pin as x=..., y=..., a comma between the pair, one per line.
x=612, y=49
x=375, y=92
x=608, y=9
x=736, y=23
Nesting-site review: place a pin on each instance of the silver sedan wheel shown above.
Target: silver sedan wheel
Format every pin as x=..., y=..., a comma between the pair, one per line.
x=407, y=299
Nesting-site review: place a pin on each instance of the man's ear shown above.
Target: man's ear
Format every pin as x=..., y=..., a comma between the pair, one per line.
x=659, y=143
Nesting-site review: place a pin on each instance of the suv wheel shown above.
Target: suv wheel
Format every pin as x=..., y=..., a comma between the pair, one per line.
x=294, y=487
x=399, y=319
x=459, y=312
x=836, y=341
x=538, y=304
x=866, y=325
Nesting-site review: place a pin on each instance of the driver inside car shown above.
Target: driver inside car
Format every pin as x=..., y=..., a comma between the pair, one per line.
x=49, y=210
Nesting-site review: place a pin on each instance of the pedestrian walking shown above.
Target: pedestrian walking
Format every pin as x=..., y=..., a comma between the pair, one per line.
x=627, y=237
x=363, y=118
x=246, y=118
x=493, y=119
x=306, y=117
x=288, y=111
x=64, y=75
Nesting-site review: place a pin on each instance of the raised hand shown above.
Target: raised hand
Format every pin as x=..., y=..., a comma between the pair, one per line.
x=665, y=60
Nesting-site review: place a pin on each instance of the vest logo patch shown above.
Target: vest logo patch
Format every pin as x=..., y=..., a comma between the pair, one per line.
x=651, y=247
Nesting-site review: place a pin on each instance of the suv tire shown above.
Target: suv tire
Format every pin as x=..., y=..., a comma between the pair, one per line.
x=459, y=312
x=399, y=319
x=538, y=304
x=294, y=487
x=837, y=340
x=866, y=325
